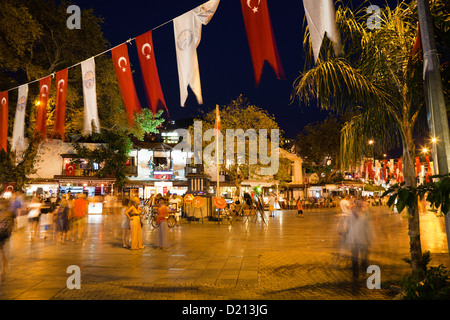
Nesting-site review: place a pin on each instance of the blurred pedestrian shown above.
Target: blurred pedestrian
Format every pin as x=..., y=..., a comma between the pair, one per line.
x=134, y=214
x=299, y=207
x=359, y=235
x=271, y=202
x=125, y=224
x=6, y=227
x=346, y=205
x=33, y=216
x=162, y=239
x=79, y=213
x=17, y=204
x=46, y=219
x=62, y=220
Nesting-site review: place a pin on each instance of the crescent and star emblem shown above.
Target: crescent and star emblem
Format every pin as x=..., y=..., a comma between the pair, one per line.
x=3, y=101
x=61, y=87
x=120, y=60
x=147, y=55
x=44, y=92
x=255, y=9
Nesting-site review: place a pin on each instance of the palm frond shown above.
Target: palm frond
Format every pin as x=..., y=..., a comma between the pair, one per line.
x=337, y=86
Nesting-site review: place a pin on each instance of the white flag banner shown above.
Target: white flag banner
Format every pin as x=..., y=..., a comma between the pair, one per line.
x=188, y=30
x=18, y=137
x=89, y=97
x=321, y=18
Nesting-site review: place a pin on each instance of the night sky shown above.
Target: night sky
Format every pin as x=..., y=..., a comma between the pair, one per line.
x=224, y=58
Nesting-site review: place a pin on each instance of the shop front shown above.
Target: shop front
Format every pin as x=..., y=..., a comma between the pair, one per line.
x=146, y=189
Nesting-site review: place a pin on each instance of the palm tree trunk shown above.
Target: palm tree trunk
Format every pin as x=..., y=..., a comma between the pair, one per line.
x=413, y=213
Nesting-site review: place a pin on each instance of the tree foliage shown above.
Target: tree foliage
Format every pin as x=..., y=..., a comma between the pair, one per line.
x=35, y=42
x=318, y=144
x=116, y=145
x=240, y=114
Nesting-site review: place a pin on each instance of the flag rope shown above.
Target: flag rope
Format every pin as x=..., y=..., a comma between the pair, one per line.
x=95, y=56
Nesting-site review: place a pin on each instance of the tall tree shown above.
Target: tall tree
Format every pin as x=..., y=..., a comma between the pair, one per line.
x=36, y=42
x=241, y=114
x=317, y=145
x=376, y=83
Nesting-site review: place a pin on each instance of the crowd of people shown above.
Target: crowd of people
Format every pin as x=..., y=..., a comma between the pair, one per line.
x=66, y=217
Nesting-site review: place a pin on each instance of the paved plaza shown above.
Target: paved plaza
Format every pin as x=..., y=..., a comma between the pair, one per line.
x=287, y=258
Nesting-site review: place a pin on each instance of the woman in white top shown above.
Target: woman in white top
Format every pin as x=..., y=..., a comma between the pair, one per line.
x=33, y=215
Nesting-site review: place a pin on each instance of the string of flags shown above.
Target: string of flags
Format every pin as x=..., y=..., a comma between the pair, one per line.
x=187, y=34
x=387, y=170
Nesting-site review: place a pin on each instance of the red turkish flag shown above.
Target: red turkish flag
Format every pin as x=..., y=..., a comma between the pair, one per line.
x=428, y=174
x=70, y=169
x=418, y=167
x=400, y=171
x=260, y=37
x=217, y=123
x=44, y=92
x=60, y=109
x=384, y=170
x=126, y=83
x=4, y=120
x=146, y=53
x=416, y=48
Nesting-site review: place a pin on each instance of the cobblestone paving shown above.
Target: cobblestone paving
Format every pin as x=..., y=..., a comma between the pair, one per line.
x=290, y=258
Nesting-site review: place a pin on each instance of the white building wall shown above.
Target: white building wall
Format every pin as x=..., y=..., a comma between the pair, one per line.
x=50, y=161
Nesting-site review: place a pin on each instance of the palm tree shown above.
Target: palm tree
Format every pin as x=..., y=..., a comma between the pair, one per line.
x=376, y=84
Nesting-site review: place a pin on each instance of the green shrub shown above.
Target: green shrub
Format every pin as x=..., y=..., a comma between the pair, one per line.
x=434, y=286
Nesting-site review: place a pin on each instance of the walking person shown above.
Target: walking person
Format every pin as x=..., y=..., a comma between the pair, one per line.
x=359, y=236
x=79, y=213
x=299, y=207
x=162, y=239
x=6, y=228
x=62, y=220
x=134, y=214
x=125, y=224
x=271, y=201
x=33, y=216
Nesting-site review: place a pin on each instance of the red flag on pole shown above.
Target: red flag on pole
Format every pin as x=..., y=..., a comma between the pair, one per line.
x=60, y=109
x=126, y=83
x=416, y=47
x=217, y=122
x=44, y=92
x=417, y=165
x=260, y=38
x=384, y=170
x=4, y=120
x=427, y=158
x=146, y=53
x=400, y=171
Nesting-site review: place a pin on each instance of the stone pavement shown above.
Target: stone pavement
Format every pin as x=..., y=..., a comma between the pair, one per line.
x=289, y=258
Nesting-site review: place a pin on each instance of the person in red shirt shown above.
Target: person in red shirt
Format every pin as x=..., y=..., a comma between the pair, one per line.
x=79, y=213
x=162, y=240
